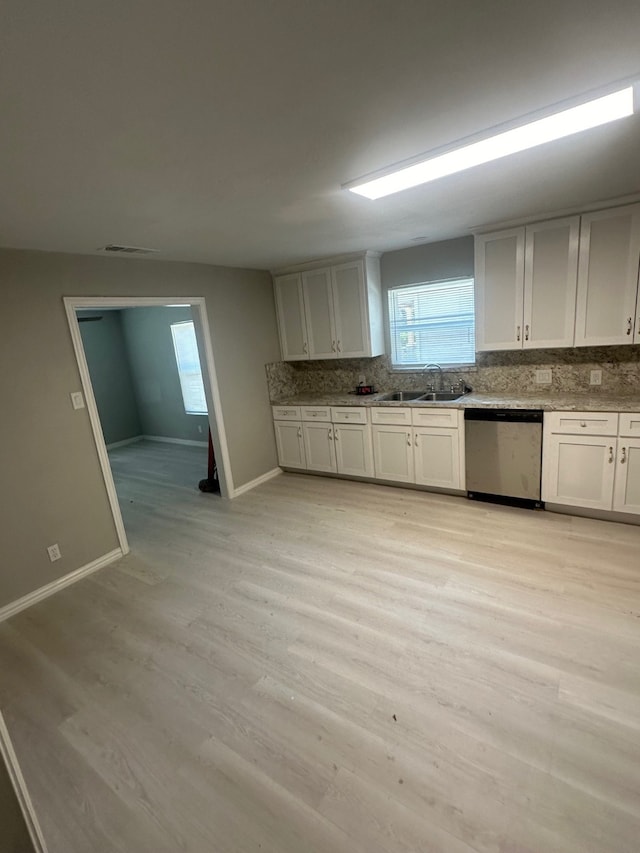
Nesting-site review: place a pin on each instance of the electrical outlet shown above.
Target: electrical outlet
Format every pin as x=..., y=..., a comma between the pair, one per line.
x=77, y=400
x=54, y=552
x=595, y=377
x=543, y=377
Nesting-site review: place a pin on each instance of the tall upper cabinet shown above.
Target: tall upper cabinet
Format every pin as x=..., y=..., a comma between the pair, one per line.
x=526, y=286
x=330, y=309
x=607, y=311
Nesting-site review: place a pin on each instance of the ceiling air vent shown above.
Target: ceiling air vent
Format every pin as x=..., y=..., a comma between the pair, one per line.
x=128, y=250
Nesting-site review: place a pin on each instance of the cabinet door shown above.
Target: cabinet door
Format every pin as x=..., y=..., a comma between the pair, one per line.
x=608, y=277
x=350, y=310
x=437, y=457
x=291, y=317
x=354, y=452
x=318, y=446
x=550, y=279
x=626, y=496
x=578, y=470
x=393, y=453
x=499, y=289
x=290, y=444
x=321, y=331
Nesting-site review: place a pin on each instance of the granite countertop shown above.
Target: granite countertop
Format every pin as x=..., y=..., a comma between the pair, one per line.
x=548, y=402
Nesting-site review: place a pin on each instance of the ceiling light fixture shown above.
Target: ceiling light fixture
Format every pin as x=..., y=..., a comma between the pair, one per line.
x=564, y=123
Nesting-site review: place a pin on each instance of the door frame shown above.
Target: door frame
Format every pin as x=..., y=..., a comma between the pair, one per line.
x=210, y=381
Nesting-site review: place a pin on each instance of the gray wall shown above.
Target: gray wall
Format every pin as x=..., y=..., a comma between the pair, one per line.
x=52, y=488
x=147, y=332
x=106, y=354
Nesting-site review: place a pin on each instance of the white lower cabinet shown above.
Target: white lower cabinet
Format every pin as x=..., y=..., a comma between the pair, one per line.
x=592, y=471
x=354, y=453
x=437, y=457
x=393, y=453
x=290, y=444
x=319, y=448
x=578, y=470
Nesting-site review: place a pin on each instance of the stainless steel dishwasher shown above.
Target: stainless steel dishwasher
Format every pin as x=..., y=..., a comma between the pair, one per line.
x=504, y=455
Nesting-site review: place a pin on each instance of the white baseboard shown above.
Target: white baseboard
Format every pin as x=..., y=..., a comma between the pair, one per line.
x=124, y=442
x=257, y=482
x=66, y=580
x=168, y=440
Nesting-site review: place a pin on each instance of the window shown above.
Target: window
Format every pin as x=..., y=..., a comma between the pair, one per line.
x=188, y=361
x=432, y=322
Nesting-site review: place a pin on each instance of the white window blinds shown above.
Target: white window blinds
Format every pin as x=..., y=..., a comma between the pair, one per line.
x=432, y=322
x=188, y=361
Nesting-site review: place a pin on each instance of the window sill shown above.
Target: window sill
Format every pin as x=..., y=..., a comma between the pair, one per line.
x=447, y=368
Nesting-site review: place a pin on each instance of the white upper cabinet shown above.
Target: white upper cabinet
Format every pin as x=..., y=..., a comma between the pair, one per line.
x=526, y=286
x=550, y=278
x=499, y=289
x=321, y=333
x=341, y=310
x=291, y=317
x=607, y=312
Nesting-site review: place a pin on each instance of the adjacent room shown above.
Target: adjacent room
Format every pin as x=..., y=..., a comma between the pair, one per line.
x=320, y=427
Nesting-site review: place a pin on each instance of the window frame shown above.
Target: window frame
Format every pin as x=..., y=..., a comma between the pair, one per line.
x=182, y=374
x=413, y=367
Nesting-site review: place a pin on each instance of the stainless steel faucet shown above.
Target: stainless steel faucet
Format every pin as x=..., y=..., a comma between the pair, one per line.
x=435, y=367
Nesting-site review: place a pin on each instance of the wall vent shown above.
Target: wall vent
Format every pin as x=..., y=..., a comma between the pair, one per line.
x=127, y=250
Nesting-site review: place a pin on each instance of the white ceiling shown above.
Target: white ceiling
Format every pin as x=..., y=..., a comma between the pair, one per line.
x=221, y=130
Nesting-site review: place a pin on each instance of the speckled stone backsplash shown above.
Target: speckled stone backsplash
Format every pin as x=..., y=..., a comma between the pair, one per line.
x=508, y=372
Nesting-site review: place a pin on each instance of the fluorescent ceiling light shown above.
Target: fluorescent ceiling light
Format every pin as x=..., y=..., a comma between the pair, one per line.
x=564, y=123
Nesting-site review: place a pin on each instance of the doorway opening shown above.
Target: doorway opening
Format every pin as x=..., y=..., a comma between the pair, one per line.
x=152, y=430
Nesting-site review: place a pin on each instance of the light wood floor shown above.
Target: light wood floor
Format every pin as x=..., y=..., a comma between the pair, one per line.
x=324, y=666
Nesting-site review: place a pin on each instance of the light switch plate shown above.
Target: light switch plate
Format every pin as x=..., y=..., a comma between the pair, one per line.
x=543, y=377
x=77, y=400
x=595, y=377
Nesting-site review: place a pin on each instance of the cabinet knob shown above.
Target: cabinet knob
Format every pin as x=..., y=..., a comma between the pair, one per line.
x=304, y=347
x=623, y=458
x=339, y=350
x=526, y=333
x=629, y=325
x=583, y=423
x=333, y=346
x=517, y=333
x=611, y=454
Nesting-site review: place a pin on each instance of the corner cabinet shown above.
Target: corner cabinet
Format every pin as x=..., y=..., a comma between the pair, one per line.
x=526, y=286
x=330, y=310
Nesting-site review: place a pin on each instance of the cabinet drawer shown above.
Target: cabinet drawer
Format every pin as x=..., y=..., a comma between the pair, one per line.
x=582, y=423
x=630, y=423
x=400, y=415
x=316, y=413
x=436, y=417
x=286, y=413
x=354, y=415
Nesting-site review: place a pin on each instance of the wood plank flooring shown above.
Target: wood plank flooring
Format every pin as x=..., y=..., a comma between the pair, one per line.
x=325, y=666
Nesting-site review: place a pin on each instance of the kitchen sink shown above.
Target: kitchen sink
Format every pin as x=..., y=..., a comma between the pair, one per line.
x=434, y=396
x=419, y=396
x=400, y=396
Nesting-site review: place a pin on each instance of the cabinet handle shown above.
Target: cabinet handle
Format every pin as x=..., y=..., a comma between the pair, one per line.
x=304, y=347
x=330, y=434
x=335, y=435
x=629, y=325
x=415, y=441
x=409, y=439
x=623, y=458
x=583, y=423
x=611, y=454
x=333, y=346
x=517, y=333
x=339, y=350
x=299, y=432
x=526, y=333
